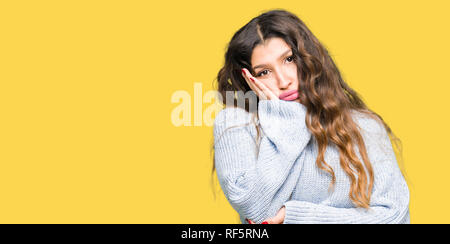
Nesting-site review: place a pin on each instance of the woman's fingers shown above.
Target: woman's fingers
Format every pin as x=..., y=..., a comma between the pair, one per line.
x=250, y=221
x=268, y=221
x=251, y=82
x=252, y=85
x=262, y=90
x=277, y=219
x=266, y=91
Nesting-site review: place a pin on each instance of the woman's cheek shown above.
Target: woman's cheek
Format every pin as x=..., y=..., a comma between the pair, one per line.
x=271, y=84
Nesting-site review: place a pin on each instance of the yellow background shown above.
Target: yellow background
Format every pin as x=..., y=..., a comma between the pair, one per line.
x=85, y=101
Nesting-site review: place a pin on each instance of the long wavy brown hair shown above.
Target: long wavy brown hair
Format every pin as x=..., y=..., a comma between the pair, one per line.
x=328, y=99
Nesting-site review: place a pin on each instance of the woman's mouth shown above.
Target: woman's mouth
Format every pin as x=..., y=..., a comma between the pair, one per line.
x=289, y=95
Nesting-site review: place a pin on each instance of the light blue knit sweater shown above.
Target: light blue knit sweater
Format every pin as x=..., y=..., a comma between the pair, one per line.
x=284, y=172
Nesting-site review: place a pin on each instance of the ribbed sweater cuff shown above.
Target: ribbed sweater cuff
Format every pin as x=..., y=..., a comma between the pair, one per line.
x=283, y=122
x=301, y=212
x=281, y=109
x=298, y=213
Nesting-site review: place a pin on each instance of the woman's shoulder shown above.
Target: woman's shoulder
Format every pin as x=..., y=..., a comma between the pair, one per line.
x=234, y=117
x=368, y=123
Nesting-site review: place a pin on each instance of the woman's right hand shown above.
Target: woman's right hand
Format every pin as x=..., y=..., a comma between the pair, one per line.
x=261, y=90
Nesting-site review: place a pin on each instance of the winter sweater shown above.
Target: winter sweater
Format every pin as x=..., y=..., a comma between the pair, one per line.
x=284, y=173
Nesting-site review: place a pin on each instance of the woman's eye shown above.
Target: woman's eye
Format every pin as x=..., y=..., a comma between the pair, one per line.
x=290, y=59
x=264, y=72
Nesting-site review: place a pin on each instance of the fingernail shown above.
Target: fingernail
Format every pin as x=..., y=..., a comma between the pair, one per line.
x=243, y=72
x=264, y=223
x=252, y=79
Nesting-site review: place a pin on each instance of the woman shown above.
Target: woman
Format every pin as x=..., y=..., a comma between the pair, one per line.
x=312, y=152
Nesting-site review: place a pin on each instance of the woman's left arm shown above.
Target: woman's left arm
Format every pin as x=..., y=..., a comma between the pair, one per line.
x=390, y=195
x=389, y=204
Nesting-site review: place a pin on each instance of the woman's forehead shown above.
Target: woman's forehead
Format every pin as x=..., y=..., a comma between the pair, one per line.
x=269, y=52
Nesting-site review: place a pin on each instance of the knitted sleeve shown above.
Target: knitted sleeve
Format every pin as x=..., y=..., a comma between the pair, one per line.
x=390, y=195
x=252, y=179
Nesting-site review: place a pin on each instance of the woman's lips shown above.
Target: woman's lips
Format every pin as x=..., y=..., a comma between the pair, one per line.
x=289, y=95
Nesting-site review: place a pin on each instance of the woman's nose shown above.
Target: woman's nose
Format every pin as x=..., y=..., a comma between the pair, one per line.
x=283, y=81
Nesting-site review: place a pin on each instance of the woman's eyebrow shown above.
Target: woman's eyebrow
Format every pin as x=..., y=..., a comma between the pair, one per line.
x=281, y=56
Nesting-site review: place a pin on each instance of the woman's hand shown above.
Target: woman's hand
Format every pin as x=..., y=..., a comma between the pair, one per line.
x=277, y=219
x=261, y=90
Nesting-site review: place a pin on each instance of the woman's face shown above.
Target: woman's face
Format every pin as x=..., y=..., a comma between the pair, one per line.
x=273, y=64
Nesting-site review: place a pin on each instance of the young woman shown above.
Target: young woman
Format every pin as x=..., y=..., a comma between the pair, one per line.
x=312, y=151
